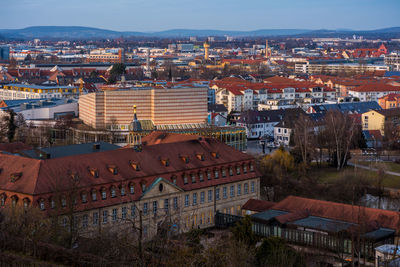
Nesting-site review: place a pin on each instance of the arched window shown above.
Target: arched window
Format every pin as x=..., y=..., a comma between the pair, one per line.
x=113, y=191
x=14, y=200
x=41, y=204
x=94, y=195
x=122, y=189
x=132, y=188
x=3, y=199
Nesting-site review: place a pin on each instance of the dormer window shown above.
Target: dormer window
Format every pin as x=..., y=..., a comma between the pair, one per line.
x=216, y=173
x=230, y=171
x=185, y=158
x=94, y=195
x=193, y=178
x=201, y=177
x=223, y=172
x=94, y=172
x=103, y=194
x=63, y=201
x=113, y=191
x=15, y=176
x=52, y=203
x=135, y=165
x=143, y=186
x=41, y=204
x=84, y=197
x=244, y=168
x=215, y=155
x=173, y=179
x=3, y=199
x=165, y=162
x=132, y=189
x=238, y=169
x=26, y=202
x=208, y=175
x=113, y=169
x=251, y=167
x=122, y=190
x=185, y=178
x=200, y=156
x=14, y=200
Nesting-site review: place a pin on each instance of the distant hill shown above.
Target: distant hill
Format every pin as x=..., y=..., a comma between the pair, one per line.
x=77, y=32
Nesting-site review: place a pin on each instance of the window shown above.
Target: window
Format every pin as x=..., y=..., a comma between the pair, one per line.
x=194, y=199
x=244, y=169
x=103, y=194
x=238, y=169
x=208, y=175
x=132, y=189
x=193, y=178
x=52, y=203
x=239, y=189
x=63, y=201
x=253, y=187
x=174, y=179
x=216, y=174
x=232, y=191
x=105, y=216
x=113, y=193
x=41, y=204
x=94, y=195
x=175, y=202
x=185, y=178
x=201, y=176
x=64, y=222
x=166, y=205
x=223, y=172
x=114, y=215
x=246, y=188
x=133, y=211
x=145, y=208
x=217, y=194
x=85, y=221
x=122, y=190
x=143, y=187
x=186, y=200
x=84, y=198
x=123, y=213
x=251, y=167
x=209, y=195
x=224, y=192
x=230, y=171
x=95, y=218
x=202, y=197
x=155, y=203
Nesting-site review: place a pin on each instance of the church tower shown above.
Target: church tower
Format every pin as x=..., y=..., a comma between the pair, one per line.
x=135, y=131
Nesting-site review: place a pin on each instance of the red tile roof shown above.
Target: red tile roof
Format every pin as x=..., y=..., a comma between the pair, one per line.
x=257, y=205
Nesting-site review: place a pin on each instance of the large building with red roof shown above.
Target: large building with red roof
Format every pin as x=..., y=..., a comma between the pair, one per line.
x=182, y=180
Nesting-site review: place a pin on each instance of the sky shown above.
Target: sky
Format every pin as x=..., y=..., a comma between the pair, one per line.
x=157, y=15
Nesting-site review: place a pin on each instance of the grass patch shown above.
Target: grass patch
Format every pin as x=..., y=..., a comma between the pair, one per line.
x=329, y=175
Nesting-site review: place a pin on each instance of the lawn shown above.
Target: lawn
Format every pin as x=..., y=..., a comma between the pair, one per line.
x=328, y=175
x=388, y=166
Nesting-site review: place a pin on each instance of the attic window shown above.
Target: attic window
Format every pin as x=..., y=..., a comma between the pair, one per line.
x=52, y=203
x=185, y=178
x=193, y=178
x=173, y=178
x=201, y=177
x=94, y=172
x=131, y=189
x=14, y=200
x=15, y=176
x=113, y=169
x=200, y=156
x=185, y=158
x=223, y=172
x=3, y=199
x=165, y=162
x=41, y=204
x=251, y=167
x=84, y=197
x=135, y=165
x=215, y=154
x=113, y=191
x=143, y=186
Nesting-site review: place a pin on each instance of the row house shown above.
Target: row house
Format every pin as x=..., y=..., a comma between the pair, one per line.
x=372, y=92
x=177, y=181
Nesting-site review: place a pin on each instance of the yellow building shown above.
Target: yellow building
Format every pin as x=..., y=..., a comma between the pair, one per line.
x=376, y=119
x=206, y=46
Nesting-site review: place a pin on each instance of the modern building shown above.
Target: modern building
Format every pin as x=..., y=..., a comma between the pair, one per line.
x=171, y=180
x=25, y=91
x=4, y=52
x=110, y=55
x=372, y=92
x=334, y=68
x=393, y=60
x=163, y=106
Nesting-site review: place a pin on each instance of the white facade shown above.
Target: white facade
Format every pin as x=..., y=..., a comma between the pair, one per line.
x=6, y=94
x=372, y=95
x=282, y=135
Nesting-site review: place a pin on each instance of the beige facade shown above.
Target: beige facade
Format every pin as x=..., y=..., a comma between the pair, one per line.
x=166, y=203
x=162, y=106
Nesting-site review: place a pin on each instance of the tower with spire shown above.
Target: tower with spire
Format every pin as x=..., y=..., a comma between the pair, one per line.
x=135, y=131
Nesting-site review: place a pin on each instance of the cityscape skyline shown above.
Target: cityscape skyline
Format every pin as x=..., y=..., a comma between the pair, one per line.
x=151, y=16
